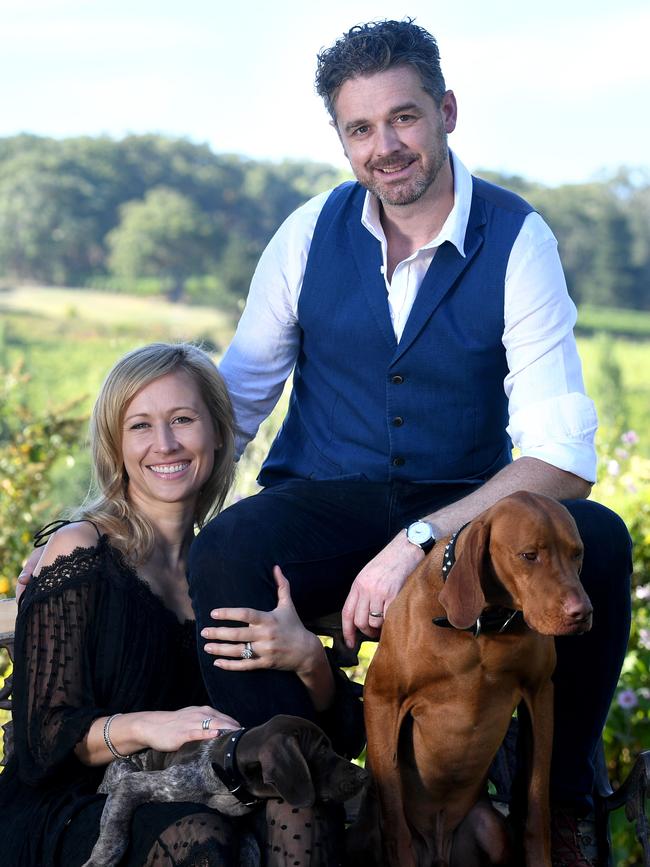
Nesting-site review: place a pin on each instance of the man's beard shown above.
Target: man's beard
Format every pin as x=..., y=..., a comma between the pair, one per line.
x=408, y=191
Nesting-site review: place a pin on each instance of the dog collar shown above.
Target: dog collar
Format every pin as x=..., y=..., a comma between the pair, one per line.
x=493, y=619
x=449, y=555
x=230, y=775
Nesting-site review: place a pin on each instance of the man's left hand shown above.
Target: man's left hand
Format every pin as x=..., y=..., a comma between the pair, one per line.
x=376, y=586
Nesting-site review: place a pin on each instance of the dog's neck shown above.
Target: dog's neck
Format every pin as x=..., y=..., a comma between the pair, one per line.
x=227, y=771
x=498, y=616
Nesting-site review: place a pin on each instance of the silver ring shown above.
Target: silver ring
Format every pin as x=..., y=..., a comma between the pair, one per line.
x=205, y=725
x=375, y=614
x=248, y=652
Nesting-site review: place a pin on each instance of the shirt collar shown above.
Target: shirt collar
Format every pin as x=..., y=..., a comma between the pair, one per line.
x=455, y=225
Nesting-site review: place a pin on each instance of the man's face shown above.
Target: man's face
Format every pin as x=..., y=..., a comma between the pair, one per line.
x=394, y=134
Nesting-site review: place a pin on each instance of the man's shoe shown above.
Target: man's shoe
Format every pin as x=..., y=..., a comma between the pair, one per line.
x=573, y=838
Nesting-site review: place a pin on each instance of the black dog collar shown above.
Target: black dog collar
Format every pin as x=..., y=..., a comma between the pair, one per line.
x=493, y=619
x=230, y=775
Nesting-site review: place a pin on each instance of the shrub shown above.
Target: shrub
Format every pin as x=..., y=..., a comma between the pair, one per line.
x=30, y=446
x=625, y=487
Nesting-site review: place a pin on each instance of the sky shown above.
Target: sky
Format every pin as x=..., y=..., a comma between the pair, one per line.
x=558, y=92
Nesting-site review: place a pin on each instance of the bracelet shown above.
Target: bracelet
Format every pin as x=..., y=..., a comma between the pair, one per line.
x=107, y=738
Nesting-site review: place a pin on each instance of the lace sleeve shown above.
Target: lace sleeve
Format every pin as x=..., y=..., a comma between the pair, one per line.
x=53, y=693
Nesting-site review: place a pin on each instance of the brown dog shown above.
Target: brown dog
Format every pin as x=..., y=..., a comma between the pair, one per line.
x=438, y=701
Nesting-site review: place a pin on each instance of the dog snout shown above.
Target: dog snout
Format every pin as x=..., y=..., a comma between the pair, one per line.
x=577, y=612
x=577, y=607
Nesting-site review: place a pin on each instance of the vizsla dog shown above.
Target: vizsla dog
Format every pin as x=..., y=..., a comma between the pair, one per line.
x=286, y=757
x=467, y=638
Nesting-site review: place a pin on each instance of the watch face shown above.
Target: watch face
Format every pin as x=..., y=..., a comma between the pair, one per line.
x=420, y=532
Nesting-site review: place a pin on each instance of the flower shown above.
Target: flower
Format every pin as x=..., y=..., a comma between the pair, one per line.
x=627, y=699
x=630, y=437
x=642, y=591
x=613, y=468
x=644, y=638
x=621, y=454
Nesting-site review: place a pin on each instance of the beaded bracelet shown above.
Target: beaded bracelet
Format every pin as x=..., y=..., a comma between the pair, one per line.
x=107, y=738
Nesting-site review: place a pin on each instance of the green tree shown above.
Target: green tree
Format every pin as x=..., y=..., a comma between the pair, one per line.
x=164, y=236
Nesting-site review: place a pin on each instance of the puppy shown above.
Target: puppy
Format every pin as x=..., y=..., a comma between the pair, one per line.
x=287, y=758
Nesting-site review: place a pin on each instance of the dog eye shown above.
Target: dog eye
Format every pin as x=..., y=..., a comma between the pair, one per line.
x=529, y=555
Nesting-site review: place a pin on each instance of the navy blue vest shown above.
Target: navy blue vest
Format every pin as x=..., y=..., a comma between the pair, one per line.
x=429, y=408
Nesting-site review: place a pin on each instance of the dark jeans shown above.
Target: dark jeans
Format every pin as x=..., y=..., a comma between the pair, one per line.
x=322, y=533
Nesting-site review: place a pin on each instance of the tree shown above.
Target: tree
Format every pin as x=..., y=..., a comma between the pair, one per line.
x=164, y=236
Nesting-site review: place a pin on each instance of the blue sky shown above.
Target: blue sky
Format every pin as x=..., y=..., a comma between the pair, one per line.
x=556, y=91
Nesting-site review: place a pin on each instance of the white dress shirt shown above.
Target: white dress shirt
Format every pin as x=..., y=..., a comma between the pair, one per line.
x=550, y=417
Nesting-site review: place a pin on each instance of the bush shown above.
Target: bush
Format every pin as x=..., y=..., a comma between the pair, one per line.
x=625, y=487
x=30, y=446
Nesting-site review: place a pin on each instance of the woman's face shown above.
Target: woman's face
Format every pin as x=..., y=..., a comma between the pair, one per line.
x=168, y=442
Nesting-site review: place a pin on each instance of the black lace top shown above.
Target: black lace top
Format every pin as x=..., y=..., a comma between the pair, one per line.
x=91, y=640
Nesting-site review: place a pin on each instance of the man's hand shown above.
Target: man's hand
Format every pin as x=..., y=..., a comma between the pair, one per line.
x=27, y=571
x=376, y=586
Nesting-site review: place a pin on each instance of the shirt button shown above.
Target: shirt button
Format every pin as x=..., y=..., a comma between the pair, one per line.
x=398, y=421
x=397, y=379
x=398, y=462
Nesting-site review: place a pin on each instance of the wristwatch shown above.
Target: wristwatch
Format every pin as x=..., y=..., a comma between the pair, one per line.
x=420, y=533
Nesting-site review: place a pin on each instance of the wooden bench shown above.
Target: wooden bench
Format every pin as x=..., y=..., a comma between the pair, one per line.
x=631, y=795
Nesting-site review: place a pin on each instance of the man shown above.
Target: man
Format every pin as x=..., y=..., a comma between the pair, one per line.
x=427, y=318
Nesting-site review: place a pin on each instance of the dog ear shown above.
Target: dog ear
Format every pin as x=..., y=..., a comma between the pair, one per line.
x=462, y=596
x=284, y=767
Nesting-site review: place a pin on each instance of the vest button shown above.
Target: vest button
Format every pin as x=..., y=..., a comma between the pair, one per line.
x=397, y=379
x=398, y=421
x=398, y=462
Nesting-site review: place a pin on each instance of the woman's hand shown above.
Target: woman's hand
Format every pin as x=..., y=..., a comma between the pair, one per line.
x=157, y=729
x=278, y=638
x=169, y=730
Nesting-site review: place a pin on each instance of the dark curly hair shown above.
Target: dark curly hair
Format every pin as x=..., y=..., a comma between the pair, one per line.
x=375, y=47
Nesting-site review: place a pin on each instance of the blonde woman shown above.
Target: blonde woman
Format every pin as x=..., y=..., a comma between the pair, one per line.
x=106, y=660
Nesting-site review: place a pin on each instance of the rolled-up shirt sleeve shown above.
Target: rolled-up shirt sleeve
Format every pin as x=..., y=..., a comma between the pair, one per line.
x=550, y=417
x=265, y=347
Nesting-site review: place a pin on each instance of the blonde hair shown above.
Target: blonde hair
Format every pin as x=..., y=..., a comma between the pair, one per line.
x=129, y=530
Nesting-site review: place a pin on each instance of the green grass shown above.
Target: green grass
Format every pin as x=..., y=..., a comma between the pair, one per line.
x=633, y=358
x=612, y=320
x=69, y=339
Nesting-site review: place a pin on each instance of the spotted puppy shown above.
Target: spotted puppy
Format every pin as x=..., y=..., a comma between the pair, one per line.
x=286, y=757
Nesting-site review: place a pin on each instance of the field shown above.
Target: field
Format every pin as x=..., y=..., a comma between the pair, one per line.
x=67, y=339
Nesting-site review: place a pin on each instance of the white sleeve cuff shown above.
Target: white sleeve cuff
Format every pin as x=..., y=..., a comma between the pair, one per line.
x=559, y=431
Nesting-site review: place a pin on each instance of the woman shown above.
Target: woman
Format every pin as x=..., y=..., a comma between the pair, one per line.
x=106, y=661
